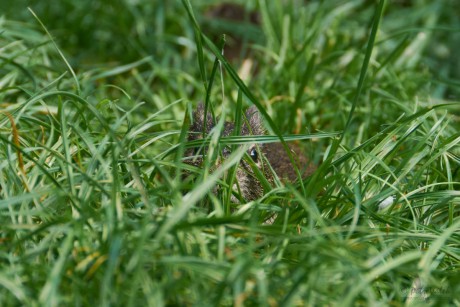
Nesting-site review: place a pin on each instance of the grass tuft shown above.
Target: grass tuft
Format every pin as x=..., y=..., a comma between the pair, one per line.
x=95, y=107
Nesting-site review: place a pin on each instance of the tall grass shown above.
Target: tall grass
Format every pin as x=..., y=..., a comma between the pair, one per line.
x=93, y=205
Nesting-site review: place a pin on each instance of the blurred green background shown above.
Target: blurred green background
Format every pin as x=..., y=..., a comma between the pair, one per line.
x=315, y=44
x=122, y=31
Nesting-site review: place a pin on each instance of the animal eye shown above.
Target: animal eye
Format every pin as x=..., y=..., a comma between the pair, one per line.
x=253, y=154
x=196, y=151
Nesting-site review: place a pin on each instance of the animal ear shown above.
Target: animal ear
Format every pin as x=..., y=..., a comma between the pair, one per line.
x=200, y=120
x=254, y=120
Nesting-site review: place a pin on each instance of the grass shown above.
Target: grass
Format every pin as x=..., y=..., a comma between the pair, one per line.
x=93, y=206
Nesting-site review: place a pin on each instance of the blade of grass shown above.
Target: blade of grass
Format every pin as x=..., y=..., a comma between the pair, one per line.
x=367, y=56
x=77, y=83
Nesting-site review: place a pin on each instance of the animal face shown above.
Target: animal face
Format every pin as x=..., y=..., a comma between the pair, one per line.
x=247, y=183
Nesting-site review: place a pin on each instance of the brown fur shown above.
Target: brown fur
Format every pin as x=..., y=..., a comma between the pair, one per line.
x=247, y=182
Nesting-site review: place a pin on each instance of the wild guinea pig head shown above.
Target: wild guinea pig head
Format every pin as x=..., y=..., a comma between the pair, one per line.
x=247, y=183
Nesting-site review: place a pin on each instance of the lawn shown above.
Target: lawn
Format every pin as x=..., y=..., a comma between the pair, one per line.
x=98, y=207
